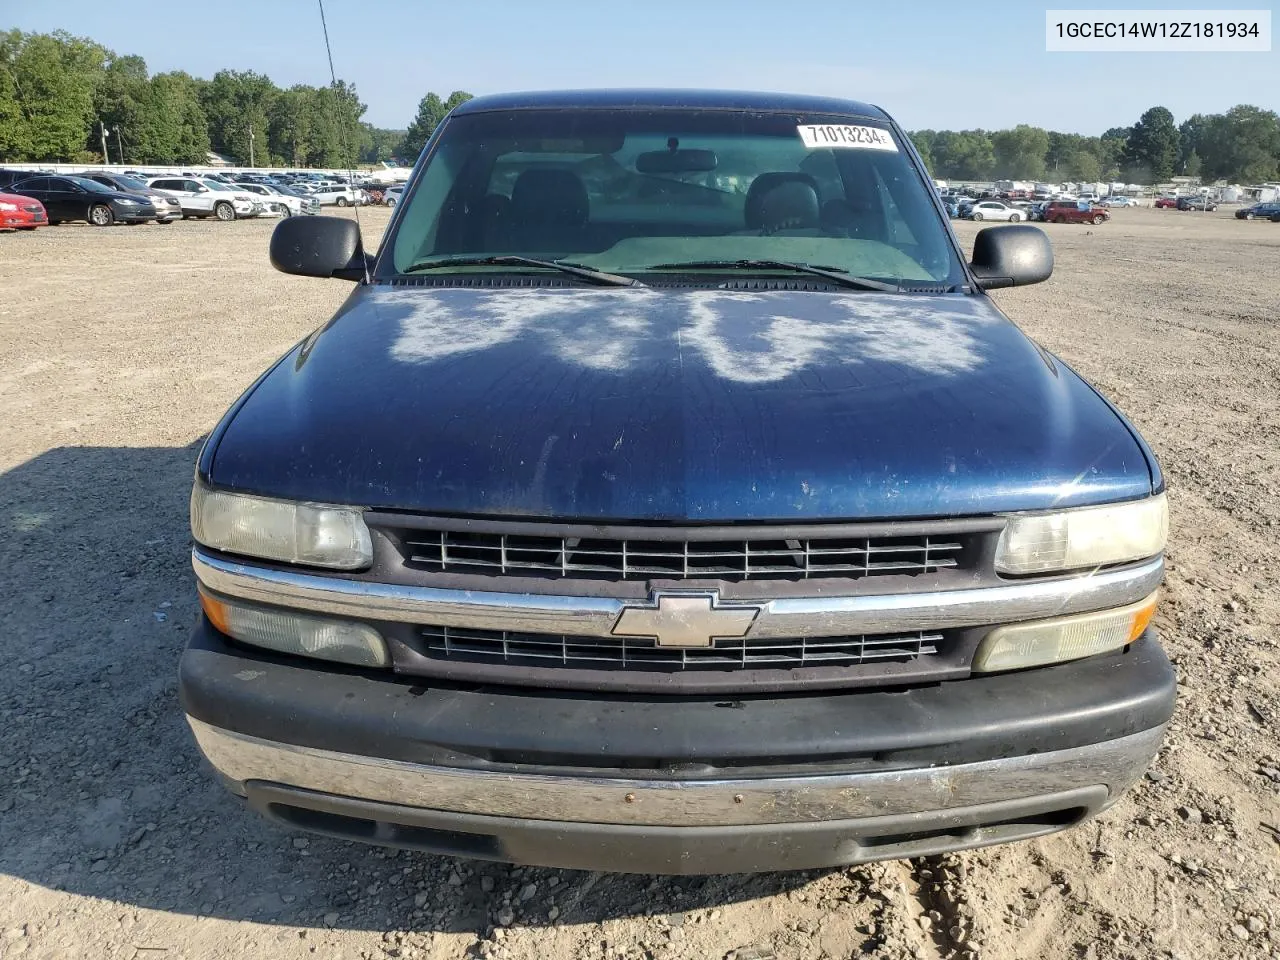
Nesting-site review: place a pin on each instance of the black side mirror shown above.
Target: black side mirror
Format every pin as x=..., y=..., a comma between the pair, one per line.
x=1011, y=256
x=318, y=247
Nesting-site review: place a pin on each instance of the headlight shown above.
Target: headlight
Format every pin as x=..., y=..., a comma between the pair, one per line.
x=297, y=633
x=125, y=201
x=1041, y=642
x=307, y=533
x=1083, y=538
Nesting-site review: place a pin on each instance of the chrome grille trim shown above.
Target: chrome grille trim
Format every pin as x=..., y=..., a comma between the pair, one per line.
x=623, y=653
x=816, y=616
x=641, y=558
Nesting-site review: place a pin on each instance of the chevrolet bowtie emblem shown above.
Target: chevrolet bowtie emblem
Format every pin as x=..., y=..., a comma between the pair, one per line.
x=685, y=619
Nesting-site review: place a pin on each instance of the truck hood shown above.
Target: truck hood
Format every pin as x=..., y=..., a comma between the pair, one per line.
x=660, y=404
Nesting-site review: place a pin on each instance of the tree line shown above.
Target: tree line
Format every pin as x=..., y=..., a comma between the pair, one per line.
x=59, y=93
x=1241, y=145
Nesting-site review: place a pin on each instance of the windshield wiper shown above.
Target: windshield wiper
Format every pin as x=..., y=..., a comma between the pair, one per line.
x=581, y=270
x=837, y=275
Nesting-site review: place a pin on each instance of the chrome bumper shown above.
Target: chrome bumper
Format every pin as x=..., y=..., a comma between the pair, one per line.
x=597, y=616
x=1113, y=765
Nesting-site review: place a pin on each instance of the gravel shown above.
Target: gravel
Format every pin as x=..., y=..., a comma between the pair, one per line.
x=120, y=348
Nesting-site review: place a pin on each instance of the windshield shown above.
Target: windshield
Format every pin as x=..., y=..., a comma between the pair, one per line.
x=217, y=185
x=626, y=191
x=131, y=183
x=93, y=185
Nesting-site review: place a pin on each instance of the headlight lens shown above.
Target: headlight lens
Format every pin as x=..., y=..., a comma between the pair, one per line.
x=307, y=533
x=126, y=201
x=289, y=632
x=1083, y=538
x=1041, y=642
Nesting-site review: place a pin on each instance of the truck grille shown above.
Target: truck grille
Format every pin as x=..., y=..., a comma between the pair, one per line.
x=449, y=551
x=628, y=653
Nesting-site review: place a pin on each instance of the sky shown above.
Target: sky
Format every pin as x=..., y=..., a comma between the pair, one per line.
x=931, y=64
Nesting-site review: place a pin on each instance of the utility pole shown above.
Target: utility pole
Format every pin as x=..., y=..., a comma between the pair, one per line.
x=105, y=158
x=251, y=163
x=120, y=144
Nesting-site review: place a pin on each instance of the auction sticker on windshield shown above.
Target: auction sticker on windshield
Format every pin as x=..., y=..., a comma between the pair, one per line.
x=844, y=136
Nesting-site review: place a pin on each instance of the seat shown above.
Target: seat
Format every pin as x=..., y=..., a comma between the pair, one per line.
x=782, y=201
x=548, y=211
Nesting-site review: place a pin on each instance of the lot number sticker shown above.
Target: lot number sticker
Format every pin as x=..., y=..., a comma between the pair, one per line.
x=842, y=136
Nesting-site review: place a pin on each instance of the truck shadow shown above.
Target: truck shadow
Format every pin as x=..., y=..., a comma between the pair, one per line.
x=102, y=793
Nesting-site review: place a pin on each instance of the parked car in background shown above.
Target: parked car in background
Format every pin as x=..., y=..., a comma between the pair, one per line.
x=1259, y=211
x=996, y=210
x=78, y=198
x=1117, y=202
x=208, y=198
x=391, y=196
x=266, y=208
x=282, y=200
x=8, y=177
x=167, y=208
x=1074, y=211
x=18, y=212
x=1197, y=203
x=1165, y=203
x=339, y=195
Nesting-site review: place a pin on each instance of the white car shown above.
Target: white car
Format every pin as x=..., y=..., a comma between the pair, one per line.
x=339, y=195
x=277, y=201
x=996, y=210
x=391, y=196
x=1117, y=202
x=207, y=198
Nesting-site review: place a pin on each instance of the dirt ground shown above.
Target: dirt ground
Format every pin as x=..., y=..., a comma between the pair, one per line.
x=119, y=348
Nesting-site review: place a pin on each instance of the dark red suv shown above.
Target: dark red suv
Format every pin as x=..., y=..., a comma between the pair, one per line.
x=1071, y=211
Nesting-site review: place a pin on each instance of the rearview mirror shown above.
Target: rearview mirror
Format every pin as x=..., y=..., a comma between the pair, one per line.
x=677, y=161
x=1011, y=256
x=318, y=247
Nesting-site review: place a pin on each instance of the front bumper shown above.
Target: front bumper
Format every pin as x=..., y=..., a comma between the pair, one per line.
x=675, y=785
x=168, y=211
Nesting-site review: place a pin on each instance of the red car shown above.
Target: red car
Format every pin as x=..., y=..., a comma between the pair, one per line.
x=1072, y=211
x=1166, y=202
x=21, y=213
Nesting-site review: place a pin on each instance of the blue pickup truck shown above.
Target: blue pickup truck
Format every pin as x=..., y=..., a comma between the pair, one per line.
x=669, y=496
